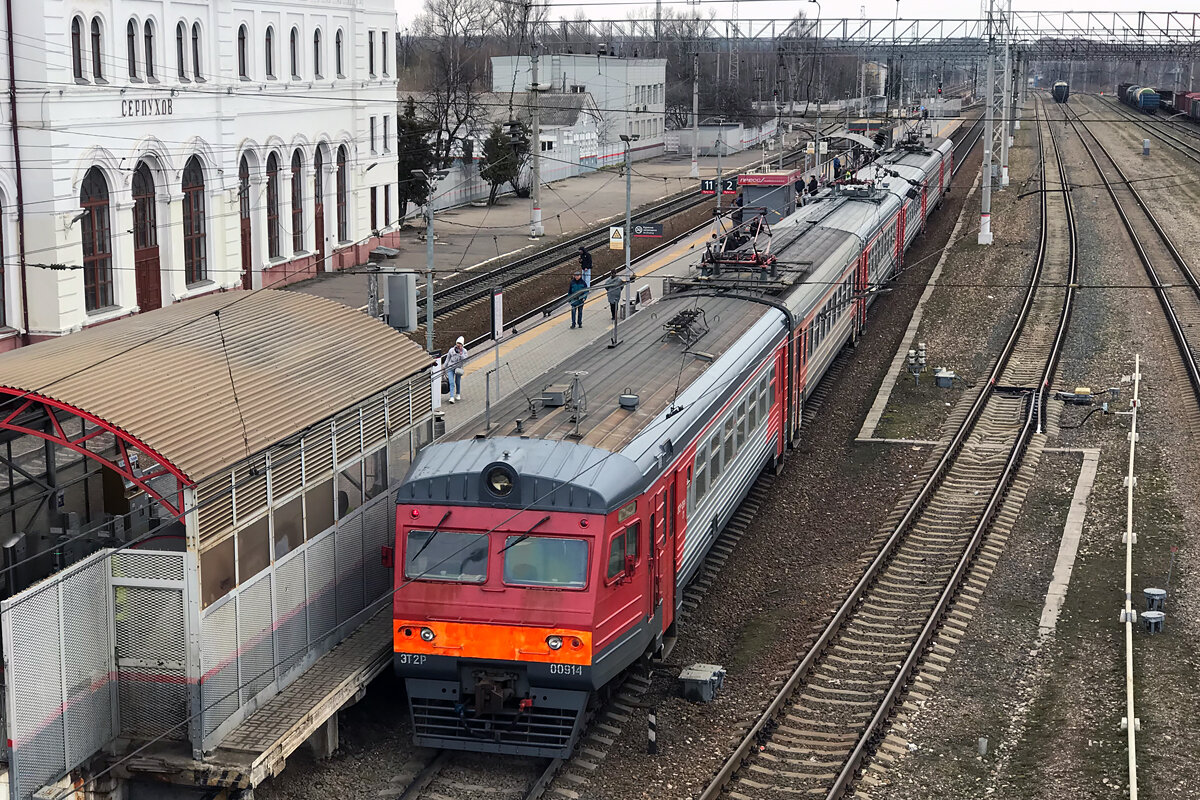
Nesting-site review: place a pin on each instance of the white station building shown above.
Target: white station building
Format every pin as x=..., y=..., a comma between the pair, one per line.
x=164, y=149
x=630, y=94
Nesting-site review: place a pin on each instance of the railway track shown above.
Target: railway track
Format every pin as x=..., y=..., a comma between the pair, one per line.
x=1160, y=128
x=1171, y=276
x=831, y=715
x=449, y=774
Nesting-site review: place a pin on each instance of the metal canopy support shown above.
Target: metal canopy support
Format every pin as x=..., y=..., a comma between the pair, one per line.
x=989, y=139
x=1005, y=114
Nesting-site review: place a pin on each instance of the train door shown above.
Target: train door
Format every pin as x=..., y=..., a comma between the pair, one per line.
x=799, y=379
x=924, y=209
x=664, y=574
x=862, y=280
x=623, y=601
x=941, y=178
x=900, y=237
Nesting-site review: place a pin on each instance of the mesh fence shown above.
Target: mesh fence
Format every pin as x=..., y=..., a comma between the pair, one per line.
x=101, y=642
x=261, y=636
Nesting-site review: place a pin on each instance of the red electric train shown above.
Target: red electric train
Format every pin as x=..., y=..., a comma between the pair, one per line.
x=537, y=560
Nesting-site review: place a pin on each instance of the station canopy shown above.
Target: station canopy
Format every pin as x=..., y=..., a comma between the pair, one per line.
x=197, y=386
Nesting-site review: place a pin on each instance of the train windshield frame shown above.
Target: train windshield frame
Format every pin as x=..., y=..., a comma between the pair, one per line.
x=546, y=562
x=453, y=556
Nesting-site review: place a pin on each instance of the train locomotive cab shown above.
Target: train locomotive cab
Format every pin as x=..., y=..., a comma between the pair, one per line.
x=518, y=592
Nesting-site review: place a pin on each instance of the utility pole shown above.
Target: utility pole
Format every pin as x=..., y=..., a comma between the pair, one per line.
x=535, y=216
x=717, y=144
x=628, y=225
x=985, y=208
x=431, y=180
x=695, y=115
x=1006, y=113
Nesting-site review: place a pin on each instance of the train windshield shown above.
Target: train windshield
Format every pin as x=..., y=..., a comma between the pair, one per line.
x=545, y=561
x=446, y=556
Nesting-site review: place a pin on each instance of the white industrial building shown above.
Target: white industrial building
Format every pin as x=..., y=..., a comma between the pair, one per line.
x=165, y=149
x=630, y=94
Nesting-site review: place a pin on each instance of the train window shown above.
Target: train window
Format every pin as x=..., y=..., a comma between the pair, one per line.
x=623, y=545
x=701, y=481
x=730, y=444
x=714, y=458
x=752, y=410
x=446, y=556
x=545, y=561
x=741, y=425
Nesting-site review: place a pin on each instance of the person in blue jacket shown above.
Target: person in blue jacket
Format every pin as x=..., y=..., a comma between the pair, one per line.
x=577, y=293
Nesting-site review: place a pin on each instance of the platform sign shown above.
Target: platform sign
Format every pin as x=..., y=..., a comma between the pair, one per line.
x=648, y=230
x=810, y=148
x=616, y=237
x=708, y=186
x=729, y=185
x=498, y=313
x=824, y=147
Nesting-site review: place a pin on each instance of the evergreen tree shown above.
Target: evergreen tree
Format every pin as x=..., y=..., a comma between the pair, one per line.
x=502, y=159
x=413, y=152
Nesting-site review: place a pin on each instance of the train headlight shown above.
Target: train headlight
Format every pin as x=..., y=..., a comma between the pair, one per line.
x=427, y=634
x=555, y=642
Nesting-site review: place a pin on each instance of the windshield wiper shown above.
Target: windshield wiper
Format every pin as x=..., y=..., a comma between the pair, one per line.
x=525, y=535
x=432, y=534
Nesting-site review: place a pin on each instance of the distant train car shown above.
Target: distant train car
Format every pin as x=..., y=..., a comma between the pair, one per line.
x=1189, y=104
x=1061, y=92
x=864, y=125
x=1123, y=90
x=1144, y=99
x=1166, y=99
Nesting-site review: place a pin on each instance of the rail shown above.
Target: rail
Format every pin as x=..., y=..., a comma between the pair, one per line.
x=1034, y=413
x=1178, y=329
x=1129, y=615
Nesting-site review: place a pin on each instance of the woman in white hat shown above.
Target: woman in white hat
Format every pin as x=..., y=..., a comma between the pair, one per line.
x=455, y=360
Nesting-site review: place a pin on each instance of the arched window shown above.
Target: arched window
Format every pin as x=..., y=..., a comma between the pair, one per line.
x=3, y=301
x=243, y=60
x=196, y=52
x=145, y=222
x=294, y=41
x=131, y=46
x=244, y=219
x=270, y=57
x=343, y=230
x=297, y=203
x=97, y=241
x=148, y=41
x=273, y=206
x=181, y=51
x=97, y=68
x=317, y=53
x=77, y=48
x=195, y=250
x=337, y=55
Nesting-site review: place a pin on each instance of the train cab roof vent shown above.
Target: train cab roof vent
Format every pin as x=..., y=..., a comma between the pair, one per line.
x=629, y=400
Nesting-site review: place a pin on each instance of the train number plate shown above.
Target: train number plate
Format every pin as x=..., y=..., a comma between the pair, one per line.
x=411, y=658
x=566, y=669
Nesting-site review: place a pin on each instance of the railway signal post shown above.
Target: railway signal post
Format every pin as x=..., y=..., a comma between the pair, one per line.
x=627, y=139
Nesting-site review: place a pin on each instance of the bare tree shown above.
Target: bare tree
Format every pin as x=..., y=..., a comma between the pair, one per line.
x=455, y=34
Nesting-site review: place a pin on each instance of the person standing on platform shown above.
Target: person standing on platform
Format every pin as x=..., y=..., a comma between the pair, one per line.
x=837, y=167
x=613, y=286
x=813, y=188
x=454, y=361
x=738, y=204
x=585, y=266
x=577, y=293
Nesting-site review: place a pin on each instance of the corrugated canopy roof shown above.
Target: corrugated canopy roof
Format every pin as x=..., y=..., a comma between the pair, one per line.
x=164, y=377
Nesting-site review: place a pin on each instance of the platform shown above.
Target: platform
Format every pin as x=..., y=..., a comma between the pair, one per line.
x=258, y=748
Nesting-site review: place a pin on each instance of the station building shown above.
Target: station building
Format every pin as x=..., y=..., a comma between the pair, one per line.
x=629, y=93
x=162, y=150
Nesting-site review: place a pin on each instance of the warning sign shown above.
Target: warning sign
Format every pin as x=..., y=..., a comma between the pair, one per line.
x=616, y=238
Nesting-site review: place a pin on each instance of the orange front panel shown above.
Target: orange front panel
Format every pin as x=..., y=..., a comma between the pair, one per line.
x=493, y=642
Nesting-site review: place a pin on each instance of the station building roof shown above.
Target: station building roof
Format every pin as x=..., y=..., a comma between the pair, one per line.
x=204, y=383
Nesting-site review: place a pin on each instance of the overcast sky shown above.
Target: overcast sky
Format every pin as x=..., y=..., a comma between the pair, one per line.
x=876, y=9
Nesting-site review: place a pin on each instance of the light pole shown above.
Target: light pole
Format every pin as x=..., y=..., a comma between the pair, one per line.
x=420, y=174
x=535, y=215
x=627, y=138
x=820, y=88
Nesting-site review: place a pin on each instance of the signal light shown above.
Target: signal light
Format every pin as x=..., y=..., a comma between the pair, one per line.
x=414, y=513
